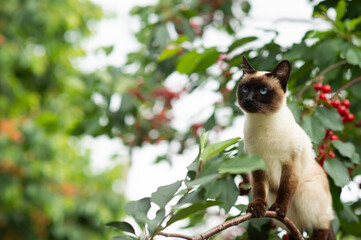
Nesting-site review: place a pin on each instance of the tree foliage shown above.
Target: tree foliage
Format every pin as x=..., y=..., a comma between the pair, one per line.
x=324, y=94
x=48, y=190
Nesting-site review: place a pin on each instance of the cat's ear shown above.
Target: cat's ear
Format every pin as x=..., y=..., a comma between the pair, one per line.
x=282, y=73
x=247, y=68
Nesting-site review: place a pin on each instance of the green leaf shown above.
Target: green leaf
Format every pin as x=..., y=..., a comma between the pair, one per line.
x=216, y=148
x=138, y=210
x=314, y=128
x=122, y=226
x=165, y=193
x=258, y=228
x=169, y=52
x=240, y=42
x=351, y=24
x=353, y=56
x=243, y=163
x=187, y=62
x=122, y=238
x=188, y=211
x=156, y=222
x=356, y=171
x=229, y=193
x=207, y=59
x=340, y=9
x=202, y=180
x=203, y=141
x=337, y=171
x=330, y=118
x=346, y=149
x=347, y=214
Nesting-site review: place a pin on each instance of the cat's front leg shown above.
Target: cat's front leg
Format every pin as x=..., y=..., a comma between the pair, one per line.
x=288, y=185
x=258, y=182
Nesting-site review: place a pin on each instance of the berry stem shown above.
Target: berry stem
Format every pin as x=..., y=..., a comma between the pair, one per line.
x=319, y=77
x=349, y=84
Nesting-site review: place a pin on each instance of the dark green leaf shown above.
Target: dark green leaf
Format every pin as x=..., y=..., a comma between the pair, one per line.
x=165, y=193
x=155, y=223
x=347, y=214
x=258, y=228
x=337, y=171
x=240, y=42
x=123, y=226
x=138, y=209
x=356, y=171
x=202, y=180
x=330, y=118
x=353, y=56
x=229, y=193
x=347, y=149
x=314, y=128
x=194, y=208
x=243, y=163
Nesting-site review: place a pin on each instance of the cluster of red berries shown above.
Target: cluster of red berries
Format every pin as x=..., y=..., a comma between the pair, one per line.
x=324, y=150
x=341, y=106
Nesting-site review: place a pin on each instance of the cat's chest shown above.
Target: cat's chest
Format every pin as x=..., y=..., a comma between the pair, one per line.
x=266, y=141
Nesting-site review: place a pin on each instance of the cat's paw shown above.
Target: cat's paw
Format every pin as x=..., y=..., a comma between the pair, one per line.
x=257, y=208
x=279, y=209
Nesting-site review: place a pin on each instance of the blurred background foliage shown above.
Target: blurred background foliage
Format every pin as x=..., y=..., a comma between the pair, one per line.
x=48, y=190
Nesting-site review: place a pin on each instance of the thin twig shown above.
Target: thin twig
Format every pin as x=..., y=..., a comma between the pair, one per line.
x=177, y=235
x=347, y=85
x=235, y=221
x=319, y=77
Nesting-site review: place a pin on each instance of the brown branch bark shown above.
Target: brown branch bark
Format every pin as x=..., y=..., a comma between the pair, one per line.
x=347, y=85
x=319, y=77
x=235, y=221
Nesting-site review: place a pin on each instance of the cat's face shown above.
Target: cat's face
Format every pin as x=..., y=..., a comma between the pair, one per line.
x=263, y=92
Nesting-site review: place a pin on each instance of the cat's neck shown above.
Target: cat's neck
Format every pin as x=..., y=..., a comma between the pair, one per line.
x=282, y=116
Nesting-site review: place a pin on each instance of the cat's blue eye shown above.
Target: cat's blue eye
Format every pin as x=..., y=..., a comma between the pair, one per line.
x=263, y=91
x=244, y=89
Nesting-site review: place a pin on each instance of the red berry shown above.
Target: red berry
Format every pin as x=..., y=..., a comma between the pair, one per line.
x=334, y=137
x=346, y=103
x=350, y=117
x=317, y=86
x=342, y=110
x=320, y=151
x=285, y=237
x=323, y=96
x=326, y=88
x=322, y=160
x=331, y=154
x=335, y=103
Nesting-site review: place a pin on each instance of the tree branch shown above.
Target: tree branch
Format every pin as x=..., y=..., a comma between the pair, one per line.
x=347, y=85
x=319, y=77
x=235, y=221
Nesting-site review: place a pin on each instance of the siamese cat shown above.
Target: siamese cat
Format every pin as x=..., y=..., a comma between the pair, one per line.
x=294, y=184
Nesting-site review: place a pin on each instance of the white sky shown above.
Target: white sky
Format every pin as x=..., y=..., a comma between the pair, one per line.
x=144, y=177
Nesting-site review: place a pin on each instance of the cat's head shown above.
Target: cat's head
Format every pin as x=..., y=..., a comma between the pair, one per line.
x=263, y=92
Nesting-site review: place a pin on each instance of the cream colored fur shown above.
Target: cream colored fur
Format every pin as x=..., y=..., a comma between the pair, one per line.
x=277, y=138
